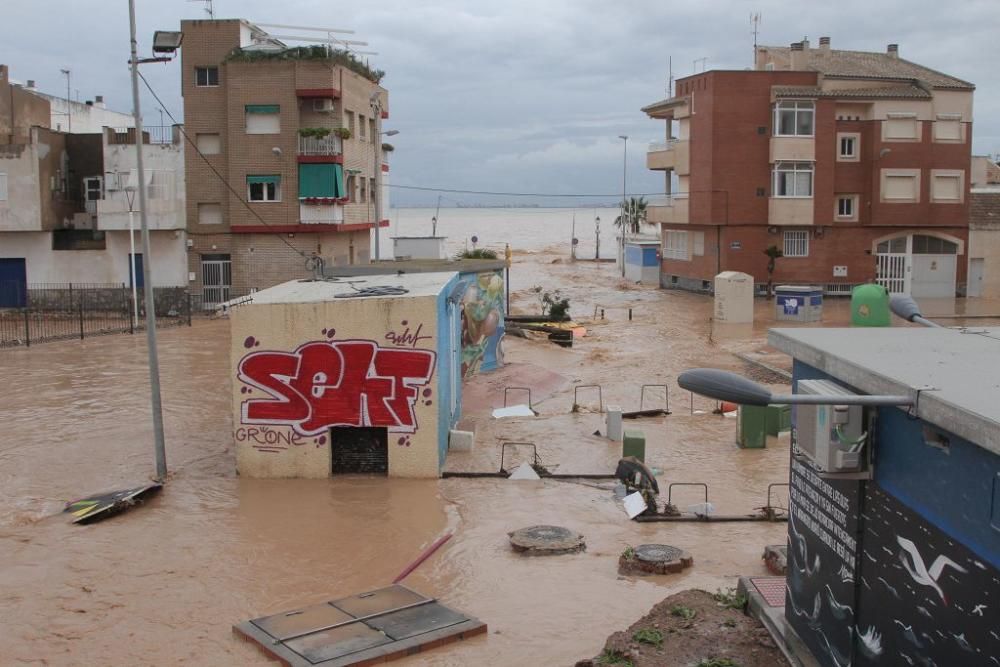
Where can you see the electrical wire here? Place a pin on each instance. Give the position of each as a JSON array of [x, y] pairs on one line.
[[215, 171], [520, 194]]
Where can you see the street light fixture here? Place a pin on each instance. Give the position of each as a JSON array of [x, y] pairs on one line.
[[624, 138], [376, 104], [725, 386], [903, 305]]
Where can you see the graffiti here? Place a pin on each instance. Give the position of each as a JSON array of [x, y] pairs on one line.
[[336, 383], [482, 324], [268, 437], [406, 338]]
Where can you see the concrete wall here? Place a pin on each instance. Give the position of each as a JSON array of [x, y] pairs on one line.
[[984, 244], [20, 110], [167, 209], [21, 211], [86, 118], [269, 338], [111, 265]]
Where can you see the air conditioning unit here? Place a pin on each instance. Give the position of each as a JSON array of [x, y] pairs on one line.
[[325, 105], [832, 437]]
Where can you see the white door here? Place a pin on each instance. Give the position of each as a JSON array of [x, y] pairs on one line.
[[892, 269], [216, 279], [975, 287], [934, 264]]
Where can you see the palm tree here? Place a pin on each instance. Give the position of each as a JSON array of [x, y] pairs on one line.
[[634, 215], [773, 252]]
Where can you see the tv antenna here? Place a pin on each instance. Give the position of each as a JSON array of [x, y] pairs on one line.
[[209, 7], [325, 36], [703, 61], [670, 77], [754, 30]]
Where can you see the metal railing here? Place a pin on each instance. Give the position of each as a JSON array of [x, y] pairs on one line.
[[330, 145], [657, 146], [42, 312], [151, 134]]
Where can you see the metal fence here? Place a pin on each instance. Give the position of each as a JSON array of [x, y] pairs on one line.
[[42, 312]]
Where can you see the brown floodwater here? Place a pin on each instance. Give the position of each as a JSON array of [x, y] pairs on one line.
[[163, 584]]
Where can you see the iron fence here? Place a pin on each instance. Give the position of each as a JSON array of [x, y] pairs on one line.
[[42, 312]]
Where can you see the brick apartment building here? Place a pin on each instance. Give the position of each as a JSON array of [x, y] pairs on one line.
[[855, 164], [269, 120]]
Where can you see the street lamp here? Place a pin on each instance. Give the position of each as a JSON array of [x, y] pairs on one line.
[[130, 198], [597, 230], [624, 138], [163, 42], [376, 104], [725, 386]]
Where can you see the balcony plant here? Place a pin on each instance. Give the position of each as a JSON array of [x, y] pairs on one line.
[[388, 148], [315, 52], [315, 132], [342, 132]]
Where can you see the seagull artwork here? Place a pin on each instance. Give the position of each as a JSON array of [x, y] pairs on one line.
[[920, 572]]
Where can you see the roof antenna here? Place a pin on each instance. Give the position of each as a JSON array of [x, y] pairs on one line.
[[755, 25], [209, 7], [670, 77]]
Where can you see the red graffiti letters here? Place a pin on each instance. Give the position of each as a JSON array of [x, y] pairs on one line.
[[342, 383]]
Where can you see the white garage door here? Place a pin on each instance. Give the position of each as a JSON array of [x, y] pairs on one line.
[[934, 263]]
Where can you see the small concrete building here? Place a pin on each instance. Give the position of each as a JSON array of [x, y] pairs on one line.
[[900, 555], [642, 261], [348, 375]]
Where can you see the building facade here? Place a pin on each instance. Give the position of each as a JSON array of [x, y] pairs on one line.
[[288, 142], [855, 165], [63, 208], [984, 243]]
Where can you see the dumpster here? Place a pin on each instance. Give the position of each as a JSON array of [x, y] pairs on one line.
[[751, 427], [798, 303], [634, 444]]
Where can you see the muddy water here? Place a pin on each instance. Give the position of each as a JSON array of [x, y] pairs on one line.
[[164, 584]]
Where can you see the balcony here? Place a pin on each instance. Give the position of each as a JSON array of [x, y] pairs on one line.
[[668, 210], [313, 214], [794, 149], [796, 211], [673, 154], [312, 146]]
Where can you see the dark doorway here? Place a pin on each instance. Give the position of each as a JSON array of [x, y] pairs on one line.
[[139, 277], [363, 450], [13, 283]]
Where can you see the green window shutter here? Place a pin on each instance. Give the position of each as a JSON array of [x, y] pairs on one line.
[[324, 181], [263, 108], [264, 179]]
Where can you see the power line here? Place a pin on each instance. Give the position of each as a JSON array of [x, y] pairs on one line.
[[518, 194], [215, 171]]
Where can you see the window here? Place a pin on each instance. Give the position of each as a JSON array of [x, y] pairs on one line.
[[893, 246], [209, 144], [793, 118], [932, 245], [847, 147], [900, 127], [793, 179], [321, 181], [371, 128], [206, 76], [263, 119], [350, 122], [364, 193], [796, 243], [160, 184], [209, 214], [699, 244], [847, 207], [948, 127], [901, 185], [947, 186], [264, 188], [3, 186], [352, 188], [361, 125], [675, 245]]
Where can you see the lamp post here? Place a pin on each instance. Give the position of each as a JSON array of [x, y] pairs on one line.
[[597, 230], [130, 198], [376, 105], [624, 138], [163, 42]]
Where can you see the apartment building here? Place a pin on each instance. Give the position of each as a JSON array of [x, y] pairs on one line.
[[64, 201], [854, 164], [288, 143]]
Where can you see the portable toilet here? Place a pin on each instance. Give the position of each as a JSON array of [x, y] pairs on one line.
[[642, 262], [798, 303], [733, 297], [870, 306]]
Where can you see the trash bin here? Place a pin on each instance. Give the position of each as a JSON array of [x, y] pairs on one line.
[[751, 427], [798, 303], [870, 306], [634, 444], [778, 419]]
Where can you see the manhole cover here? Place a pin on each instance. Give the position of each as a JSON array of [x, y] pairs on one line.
[[654, 559], [546, 540]]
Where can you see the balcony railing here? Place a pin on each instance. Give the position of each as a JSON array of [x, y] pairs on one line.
[[330, 145], [151, 134], [658, 146], [667, 200]]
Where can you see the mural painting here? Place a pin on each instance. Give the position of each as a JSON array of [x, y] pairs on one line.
[[899, 592], [323, 384], [482, 324]]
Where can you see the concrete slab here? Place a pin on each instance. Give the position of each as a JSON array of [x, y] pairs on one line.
[[766, 603]]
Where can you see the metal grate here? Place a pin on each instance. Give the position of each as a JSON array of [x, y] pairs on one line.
[[359, 450]]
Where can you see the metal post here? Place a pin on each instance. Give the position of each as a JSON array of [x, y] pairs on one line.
[[507, 257], [81, 317], [597, 228], [131, 245], [624, 201], [27, 327], [377, 149], [154, 362]]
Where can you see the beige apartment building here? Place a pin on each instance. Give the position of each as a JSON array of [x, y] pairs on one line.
[[288, 143]]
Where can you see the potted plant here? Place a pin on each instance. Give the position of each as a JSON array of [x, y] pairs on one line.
[[342, 132]]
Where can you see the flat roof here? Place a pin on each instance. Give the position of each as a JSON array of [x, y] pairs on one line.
[[312, 291], [956, 371]]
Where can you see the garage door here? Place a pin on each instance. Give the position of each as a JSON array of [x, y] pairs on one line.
[[934, 265]]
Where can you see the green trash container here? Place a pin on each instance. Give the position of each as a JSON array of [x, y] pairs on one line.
[[870, 306], [778, 419], [751, 427], [634, 444]]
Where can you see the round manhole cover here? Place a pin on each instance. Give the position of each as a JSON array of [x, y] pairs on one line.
[[657, 553], [546, 540]]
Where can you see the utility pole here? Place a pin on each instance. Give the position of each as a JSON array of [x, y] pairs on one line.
[[597, 229], [69, 109], [154, 362], [624, 199]]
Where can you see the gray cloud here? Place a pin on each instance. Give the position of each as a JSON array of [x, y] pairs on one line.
[[525, 96]]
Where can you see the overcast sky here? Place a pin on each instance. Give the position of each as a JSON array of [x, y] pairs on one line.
[[517, 96]]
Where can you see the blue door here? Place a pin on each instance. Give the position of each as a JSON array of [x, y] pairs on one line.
[[13, 282], [139, 283]]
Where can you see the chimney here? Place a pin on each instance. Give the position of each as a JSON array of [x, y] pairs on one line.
[[99, 101], [30, 84], [824, 43], [805, 43], [893, 50], [798, 59]]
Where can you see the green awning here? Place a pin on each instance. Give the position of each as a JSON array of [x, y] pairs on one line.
[[264, 179], [321, 180], [263, 108]]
